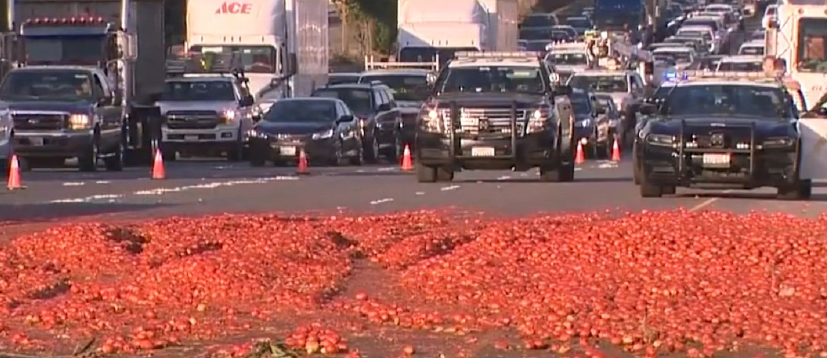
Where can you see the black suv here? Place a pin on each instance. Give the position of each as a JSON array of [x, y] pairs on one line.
[[376, 113], [495, 111]]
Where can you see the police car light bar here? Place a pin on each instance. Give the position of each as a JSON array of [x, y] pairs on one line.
[[46, 21], [498, 54], [705, 74]]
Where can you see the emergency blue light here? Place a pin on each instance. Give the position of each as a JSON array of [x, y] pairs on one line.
[[670, 76]]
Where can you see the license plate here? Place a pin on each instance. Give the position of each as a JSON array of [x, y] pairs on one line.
[[469, 122], [191, 138], [716, 160], [287, 150], [36, 141], [482, 152]]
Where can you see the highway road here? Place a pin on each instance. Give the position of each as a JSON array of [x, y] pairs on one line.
[[201, 187]]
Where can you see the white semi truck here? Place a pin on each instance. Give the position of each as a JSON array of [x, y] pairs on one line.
[[282, 45], [428, 29], [800, 40]]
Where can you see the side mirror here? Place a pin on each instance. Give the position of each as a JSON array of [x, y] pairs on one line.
[[345, 119], [563, 90], [291, 65], [384, 107], [246, 101], [649, 109]]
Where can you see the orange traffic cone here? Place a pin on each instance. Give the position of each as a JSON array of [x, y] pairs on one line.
[[615, 151], [302, 169], [407, 164], [579, 157], [14, 174], [158, 171]]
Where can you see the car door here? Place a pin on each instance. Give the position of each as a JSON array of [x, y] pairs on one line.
[[107, 111], [395, 114], [384, 117]]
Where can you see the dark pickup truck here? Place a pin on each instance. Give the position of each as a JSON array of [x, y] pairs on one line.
[[64, 112]]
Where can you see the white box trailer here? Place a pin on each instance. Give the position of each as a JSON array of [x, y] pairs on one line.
[[457, 25], [282, 45]]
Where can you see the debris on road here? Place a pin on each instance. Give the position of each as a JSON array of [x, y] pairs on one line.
[[650, 284]]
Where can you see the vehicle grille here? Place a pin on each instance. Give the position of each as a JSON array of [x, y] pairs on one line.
[[719, 139], [192, 119], [34, 121], [485, 120]]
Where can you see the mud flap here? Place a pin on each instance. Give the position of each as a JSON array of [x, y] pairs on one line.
[[813, 148]]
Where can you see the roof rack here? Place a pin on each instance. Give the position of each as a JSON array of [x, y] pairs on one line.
[[371, 64], [209, 63], [734, 75]]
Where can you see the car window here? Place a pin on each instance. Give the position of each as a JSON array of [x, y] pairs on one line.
[[357, 99], [97, 89], [378, 98]]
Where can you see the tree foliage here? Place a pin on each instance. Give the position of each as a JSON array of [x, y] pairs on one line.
[[376, 21]]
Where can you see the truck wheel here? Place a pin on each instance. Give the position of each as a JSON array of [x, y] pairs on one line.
[[802, 190], [649, 190], [371, 150], [257, 160], [425, 174], [236, 153], [169, 154], [444, 174], [114, 163], [88, 160]]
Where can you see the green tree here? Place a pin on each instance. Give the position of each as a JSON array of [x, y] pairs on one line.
[[375, 19]]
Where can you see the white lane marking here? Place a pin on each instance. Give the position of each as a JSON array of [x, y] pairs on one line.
[[449, 188], [74, 183], [607, 165], [504, 177], [162, 191], [707, 202], [213, 185], [577, 169], [111, 198], [103, 182], [386, 169], [419, 193], [381, 201]]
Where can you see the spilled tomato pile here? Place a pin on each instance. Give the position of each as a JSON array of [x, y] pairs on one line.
[[650, 283]]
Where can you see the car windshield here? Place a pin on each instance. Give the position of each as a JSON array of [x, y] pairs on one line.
[[79, 50], [616, 83], [539, 21], [578, 22], [604, 101], [67, 85], [302, 110], [525, 79], [187, 90], [358, 100], [535, 34], [404, 87], [254, 59], [662, 92], [812, 45], [567, 58], [699, 22], [728, 100], [679, 56], [334, 79], [741, 66], [752, 50]]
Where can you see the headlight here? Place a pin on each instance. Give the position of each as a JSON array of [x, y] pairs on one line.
[[255, 133], [538, 119], [583, 123], [660, 139], [228, 115], [431, 120], [80, 121], [323, 135], [778, 142]]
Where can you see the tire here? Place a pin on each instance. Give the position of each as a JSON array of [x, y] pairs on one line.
[[88, 160], [358, 159], [257, 160], [637, 171], [337, 158], [371, 150], [444, 174], [649, 190], [114, 163], [803, 190], [425, 174], [169, 155], [561, 174], [236, 154]]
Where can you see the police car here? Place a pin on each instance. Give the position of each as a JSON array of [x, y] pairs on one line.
[[721, 130]]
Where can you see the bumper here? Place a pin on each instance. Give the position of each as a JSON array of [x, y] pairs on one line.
[[219, 134], [52, 144], [491, 152], [314, 150], [775, 168]]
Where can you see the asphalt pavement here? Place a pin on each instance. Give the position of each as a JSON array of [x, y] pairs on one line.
[[201, 187]]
